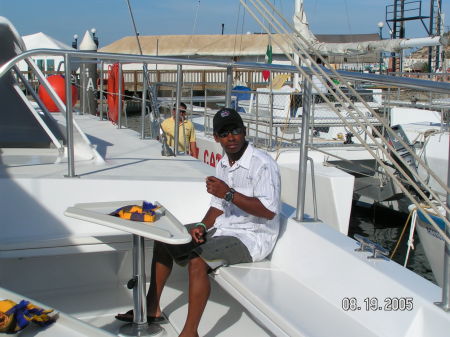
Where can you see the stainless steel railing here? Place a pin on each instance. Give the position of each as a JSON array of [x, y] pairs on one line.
[[79, 56]]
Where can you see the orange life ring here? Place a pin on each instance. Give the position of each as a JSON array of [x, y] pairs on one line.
[[113, 92]]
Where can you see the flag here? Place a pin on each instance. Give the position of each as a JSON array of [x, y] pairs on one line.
[[268, 60]]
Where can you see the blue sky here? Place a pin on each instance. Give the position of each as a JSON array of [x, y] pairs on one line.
[[62, 19]]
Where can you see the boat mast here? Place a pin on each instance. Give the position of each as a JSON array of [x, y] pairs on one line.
[[396, 44], [435, 29]]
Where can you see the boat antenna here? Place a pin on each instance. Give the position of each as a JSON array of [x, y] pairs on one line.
[[134, 26]]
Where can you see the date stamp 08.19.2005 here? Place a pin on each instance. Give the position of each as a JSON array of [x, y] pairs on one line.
[[376, 304]]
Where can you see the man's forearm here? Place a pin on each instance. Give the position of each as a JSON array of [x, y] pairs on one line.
[[210, 217], [252, 205]]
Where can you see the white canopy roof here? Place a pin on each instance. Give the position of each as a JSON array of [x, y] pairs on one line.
[[41, 40]]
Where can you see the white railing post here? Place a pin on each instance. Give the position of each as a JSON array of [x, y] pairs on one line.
[[229, 87], [307, 97]]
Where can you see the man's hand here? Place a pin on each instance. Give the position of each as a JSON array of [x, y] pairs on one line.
[[198, 233], [216, 187]]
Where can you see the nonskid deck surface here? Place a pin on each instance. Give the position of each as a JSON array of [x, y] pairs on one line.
[[132, 168], [223, 315], [126, 157]]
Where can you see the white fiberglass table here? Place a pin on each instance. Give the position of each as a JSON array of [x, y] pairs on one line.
[[166, 229]]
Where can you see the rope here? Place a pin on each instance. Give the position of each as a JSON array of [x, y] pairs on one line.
[[194, 26], [303, 49], [401, 235], [316, 70], [134, 26], [411, 237], [236, 31], [144, 68], [304, 46], [347, 16]]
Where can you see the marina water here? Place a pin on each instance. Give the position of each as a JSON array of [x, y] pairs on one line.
[[384, 227]]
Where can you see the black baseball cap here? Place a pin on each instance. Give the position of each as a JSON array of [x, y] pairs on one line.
[[226, 117]]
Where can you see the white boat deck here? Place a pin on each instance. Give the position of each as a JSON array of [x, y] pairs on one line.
[[80, 268], [313, 284], [223, 315], [125, 154]]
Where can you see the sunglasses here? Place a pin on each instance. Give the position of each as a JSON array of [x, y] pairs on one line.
[[224, 133]]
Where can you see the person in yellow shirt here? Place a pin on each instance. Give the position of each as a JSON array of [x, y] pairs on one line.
[[186, 131]]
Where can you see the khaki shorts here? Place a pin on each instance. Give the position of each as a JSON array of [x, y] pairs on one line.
[[218, 250]]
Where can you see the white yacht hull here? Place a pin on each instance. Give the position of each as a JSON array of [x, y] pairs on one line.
[[433, 244]]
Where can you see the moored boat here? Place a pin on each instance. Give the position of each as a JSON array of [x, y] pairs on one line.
[[82, 269]]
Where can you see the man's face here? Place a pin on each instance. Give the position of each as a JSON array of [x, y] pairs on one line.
[[231, 138], [182, 115]]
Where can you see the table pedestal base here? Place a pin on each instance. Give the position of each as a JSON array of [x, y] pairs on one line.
[[133, 329]]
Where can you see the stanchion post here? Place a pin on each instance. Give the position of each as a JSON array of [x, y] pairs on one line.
[[69, 119], [307, 98]]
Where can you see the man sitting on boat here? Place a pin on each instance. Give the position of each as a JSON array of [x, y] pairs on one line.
[[240, 226], [186, 131]]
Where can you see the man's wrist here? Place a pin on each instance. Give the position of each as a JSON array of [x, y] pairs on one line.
[[229, 195], [201, 224]]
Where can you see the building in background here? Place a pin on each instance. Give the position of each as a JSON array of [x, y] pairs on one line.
[[47, 63], [240, 48]]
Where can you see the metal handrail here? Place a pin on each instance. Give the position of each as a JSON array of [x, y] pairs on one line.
[[409, 83], [77, 56], [124, 58]]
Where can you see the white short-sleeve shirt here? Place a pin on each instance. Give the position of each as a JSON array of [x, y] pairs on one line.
[[255, 174]]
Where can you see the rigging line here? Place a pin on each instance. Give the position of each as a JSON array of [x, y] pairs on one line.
[[341, 95], [314, 11], [194, 26], [339, 114], [195, 18], [242, 28], [134, 26], [314, 71], [236, 31], [348, 17], [144, 67]]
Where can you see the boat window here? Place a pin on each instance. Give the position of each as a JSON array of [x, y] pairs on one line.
[[50, 65], [40, 64]]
